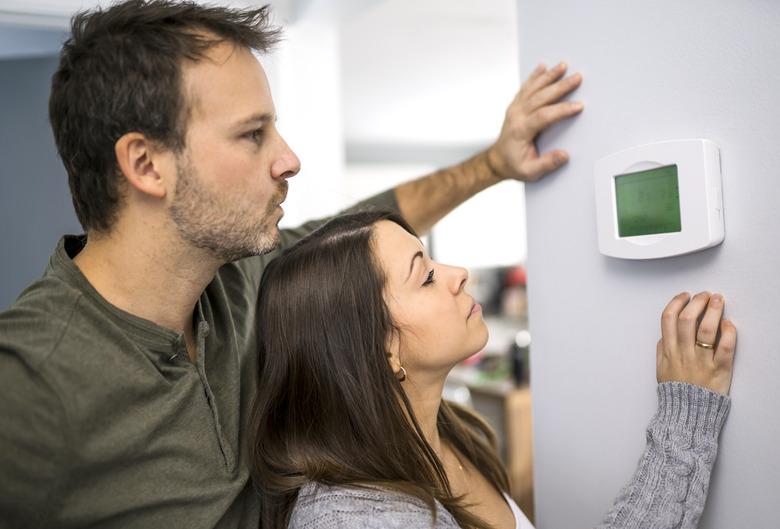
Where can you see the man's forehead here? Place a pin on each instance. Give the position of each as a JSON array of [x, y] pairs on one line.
[[229, 84]]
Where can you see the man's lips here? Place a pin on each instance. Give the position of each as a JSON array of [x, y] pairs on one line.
[[281, 195], [282, 191]]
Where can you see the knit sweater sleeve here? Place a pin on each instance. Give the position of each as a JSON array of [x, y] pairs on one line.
[[669, 487], [339, 507]]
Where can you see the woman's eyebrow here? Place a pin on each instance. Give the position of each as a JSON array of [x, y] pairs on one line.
[[411, 267]]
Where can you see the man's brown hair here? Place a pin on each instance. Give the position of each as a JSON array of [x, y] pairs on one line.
[[120, 72]]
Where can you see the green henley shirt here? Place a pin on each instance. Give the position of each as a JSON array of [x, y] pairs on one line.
[[104, 420]]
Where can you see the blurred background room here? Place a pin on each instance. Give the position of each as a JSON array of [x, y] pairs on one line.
[[369, 93]]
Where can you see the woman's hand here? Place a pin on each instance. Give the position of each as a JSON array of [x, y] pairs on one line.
[[693, 352]]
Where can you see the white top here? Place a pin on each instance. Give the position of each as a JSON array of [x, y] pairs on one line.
[[521, 522]]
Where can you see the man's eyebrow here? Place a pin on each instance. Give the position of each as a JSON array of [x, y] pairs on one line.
[[257, 118], [411, 267]]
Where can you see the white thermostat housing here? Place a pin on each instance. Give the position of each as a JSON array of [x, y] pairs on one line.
[[659, 200]]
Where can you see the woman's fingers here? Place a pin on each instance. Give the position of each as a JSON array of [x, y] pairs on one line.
[[708, 328], [724, 354], [686, 320], [689, 319], [669, 320]]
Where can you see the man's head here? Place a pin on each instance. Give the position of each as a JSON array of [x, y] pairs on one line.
[[161, 105]]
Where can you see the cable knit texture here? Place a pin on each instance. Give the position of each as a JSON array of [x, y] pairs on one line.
[[668, 489], [670, 485], [322, 507]]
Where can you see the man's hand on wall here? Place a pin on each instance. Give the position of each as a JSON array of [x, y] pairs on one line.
[[537, 106]]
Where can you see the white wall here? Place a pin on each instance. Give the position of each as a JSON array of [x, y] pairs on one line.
[[653, 71]]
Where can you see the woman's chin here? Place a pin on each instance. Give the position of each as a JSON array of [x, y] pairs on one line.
[[483, 340], [473, 353]]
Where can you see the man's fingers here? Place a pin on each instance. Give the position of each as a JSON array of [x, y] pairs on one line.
[[539, 70], [547, 162], [689, 318], [546, 116], [545, 78], [526, 87], [708, 328], [669, 318], [554, 92]]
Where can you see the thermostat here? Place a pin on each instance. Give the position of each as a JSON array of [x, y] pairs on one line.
[[659, 200]]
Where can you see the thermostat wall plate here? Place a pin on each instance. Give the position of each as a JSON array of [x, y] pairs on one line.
[[659, 200]]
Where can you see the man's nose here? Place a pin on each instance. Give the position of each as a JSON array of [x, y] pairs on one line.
[[287, 163]]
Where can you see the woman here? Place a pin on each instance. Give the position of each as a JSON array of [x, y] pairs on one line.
[[359, 331]]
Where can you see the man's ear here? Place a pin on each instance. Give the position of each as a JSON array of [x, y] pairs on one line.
[[135, 157]]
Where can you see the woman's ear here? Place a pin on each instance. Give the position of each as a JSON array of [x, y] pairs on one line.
[[135, 156], [394, 351]]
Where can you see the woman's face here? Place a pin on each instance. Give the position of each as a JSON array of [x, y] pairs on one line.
[[440, 322]]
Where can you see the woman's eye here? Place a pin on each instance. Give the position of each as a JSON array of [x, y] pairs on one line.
[[429, 280]]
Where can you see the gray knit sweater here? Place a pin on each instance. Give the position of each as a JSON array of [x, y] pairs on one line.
[[668, 489]]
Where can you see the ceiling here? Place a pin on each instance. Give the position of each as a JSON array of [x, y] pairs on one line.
[[411, 71], [437, 71]]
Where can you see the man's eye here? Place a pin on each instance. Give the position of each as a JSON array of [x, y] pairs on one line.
[[255, 135]]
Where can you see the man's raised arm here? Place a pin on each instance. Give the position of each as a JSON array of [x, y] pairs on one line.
[[537, 106]]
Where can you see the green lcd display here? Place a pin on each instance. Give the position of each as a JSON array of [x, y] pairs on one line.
[[648, 202]]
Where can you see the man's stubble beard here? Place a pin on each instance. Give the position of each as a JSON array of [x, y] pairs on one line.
[[228, 231]]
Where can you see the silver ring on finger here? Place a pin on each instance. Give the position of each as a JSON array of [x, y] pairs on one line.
[[705, 345]]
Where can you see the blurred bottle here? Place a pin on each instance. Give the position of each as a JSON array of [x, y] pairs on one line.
[[518, 355], [514, 301]]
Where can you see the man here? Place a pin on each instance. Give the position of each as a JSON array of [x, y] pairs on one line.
[[127, 371]]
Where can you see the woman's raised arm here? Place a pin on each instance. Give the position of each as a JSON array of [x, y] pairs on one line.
[[694, 368]]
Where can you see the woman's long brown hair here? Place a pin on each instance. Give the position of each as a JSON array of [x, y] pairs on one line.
[[329, 408]]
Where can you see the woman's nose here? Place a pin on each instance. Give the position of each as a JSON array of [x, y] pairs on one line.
[[459, 278]]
